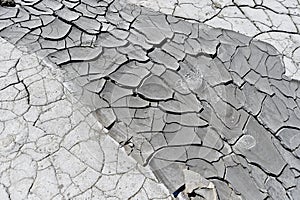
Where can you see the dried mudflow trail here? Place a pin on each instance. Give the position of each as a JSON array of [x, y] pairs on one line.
[[205, 112]]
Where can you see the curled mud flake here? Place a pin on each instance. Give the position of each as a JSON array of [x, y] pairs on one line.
[[154, 88], [246, 142]]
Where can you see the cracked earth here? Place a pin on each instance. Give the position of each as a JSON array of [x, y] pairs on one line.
[[175, 99]]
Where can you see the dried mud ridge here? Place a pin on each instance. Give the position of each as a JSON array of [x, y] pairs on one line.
[[210, 110]]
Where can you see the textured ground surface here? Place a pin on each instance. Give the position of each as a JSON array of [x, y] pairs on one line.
[[206, 111], [274, 21]]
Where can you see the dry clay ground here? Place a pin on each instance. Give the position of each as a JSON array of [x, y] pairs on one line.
[[110, 100]]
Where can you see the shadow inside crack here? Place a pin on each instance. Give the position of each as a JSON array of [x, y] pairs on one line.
[[8, 3]]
